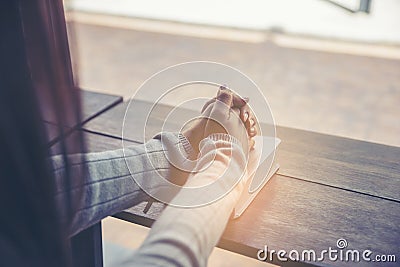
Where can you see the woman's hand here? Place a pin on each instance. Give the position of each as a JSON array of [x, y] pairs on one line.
[[223, 118], [197, 130]]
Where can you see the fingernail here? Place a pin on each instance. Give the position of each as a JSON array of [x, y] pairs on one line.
[[251, 121], [246, 116], [252, 129], [223, 87]]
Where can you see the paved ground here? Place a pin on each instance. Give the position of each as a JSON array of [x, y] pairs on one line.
[[306, 17], [339, 94]]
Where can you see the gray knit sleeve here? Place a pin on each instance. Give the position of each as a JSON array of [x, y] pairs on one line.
[[108, 186]]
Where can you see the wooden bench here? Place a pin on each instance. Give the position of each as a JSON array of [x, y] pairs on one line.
[[327, 188]]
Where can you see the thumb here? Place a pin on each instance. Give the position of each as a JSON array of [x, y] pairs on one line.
[[225, 96]]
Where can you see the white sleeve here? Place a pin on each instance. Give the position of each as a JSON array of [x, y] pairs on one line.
[[186, 236]]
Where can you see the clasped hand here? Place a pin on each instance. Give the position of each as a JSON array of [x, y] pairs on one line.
[[227, 113]]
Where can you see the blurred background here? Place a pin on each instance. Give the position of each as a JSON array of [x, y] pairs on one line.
[[330, 66]]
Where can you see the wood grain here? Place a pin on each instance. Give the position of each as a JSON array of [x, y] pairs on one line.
[[54, 132], [293, 214], [365, 167], [93, 143], [93, 104], [111, 122], [96, 103]]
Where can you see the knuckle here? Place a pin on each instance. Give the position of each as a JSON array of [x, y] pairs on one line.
[[224, 97]]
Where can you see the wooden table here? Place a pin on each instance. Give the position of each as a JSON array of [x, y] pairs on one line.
[[93, 105], [327, 188]]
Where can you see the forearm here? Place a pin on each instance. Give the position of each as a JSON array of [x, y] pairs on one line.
[[186, 237], [107, 185]]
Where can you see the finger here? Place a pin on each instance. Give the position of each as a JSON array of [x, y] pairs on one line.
[[252, 143], [248, 122], [251, 126], [237, 113], [252, 122], [245, 116], [224, 87], [235, 116], [245, 136], [209, 102], [245, 113], [255, 127], [239, 102], [225, 97], [253, 131]]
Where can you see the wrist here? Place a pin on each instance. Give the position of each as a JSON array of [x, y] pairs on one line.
[[224, 137], [187, 144], [194, 135]]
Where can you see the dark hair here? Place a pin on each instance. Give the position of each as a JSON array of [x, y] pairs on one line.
[[36, 85]]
